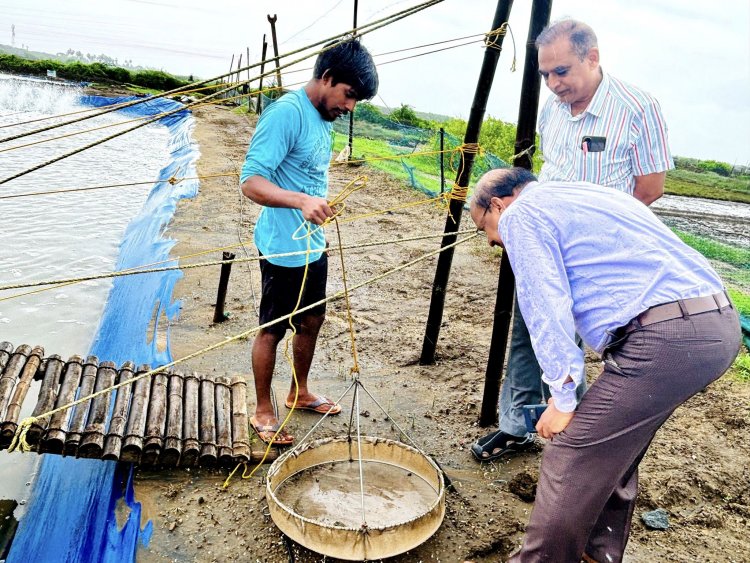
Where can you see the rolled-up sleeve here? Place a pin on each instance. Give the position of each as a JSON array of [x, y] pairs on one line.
[[544, 297]]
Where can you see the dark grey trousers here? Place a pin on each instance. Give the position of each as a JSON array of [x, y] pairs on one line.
[[589, 474]]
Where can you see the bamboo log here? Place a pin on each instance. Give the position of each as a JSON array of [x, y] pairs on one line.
[[80, 412], [240, 431], [10, 423], [47, 397], [113, 442], [207, 430], [170, 453], [223, 398], [191, 445], [132, 445], [92, 443], [54, 440], [12, 370], [156, 422], [6, 349]]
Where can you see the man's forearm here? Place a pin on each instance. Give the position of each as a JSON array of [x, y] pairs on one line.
[[650, 187], [265, 192]]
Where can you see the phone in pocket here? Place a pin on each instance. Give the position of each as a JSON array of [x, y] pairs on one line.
[[593, 143], [531, 416]]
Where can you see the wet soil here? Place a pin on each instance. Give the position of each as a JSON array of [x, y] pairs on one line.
[[698, 467]]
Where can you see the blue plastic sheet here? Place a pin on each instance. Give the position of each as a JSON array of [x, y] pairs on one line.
[[76, 503]]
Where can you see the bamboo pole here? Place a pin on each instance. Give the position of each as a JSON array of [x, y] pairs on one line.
[[259, 103], [223, 398], [190, 424], [54, 440], [453, 220], [12, 370], [47, 397], [92, 443], [6, 349], [132, 445], [525, 138], [272, 21], [10, 423], [156, 422], [170, 453], [240, 430], [113, 441], [80, 412], [207, 428]]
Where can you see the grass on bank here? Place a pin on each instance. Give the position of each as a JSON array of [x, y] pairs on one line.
[[707, 185]]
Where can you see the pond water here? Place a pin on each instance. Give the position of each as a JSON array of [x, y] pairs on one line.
[[48, 236]]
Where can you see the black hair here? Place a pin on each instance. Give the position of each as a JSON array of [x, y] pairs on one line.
[[349, 62], [500, 182], [582, 38]]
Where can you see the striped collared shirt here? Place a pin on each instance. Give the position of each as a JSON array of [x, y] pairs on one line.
[[632, 124]]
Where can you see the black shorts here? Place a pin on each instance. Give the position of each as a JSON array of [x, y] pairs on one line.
[[281, 288]]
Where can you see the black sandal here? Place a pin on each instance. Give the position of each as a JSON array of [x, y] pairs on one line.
[[484, 448]]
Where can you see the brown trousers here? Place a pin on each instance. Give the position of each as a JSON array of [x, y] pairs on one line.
[[589, 474]]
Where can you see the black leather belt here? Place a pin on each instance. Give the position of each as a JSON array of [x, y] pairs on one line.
[[677, 309]]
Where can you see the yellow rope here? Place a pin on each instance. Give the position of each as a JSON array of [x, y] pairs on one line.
[[19, 439]]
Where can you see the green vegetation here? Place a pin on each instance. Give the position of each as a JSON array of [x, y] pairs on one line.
[[92, 72], [708, 185], [739, 257], [741, 367]]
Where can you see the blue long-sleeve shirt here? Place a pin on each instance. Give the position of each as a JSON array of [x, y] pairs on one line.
[[589, 259]]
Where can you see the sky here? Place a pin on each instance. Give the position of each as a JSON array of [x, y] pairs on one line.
[[693, 56]]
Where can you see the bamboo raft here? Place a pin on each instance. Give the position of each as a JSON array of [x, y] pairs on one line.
[[167, 419]]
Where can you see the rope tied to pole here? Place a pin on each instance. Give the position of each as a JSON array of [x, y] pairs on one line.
[[491, 41]]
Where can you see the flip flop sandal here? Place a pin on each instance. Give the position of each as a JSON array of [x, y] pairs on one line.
[[320, 405], [504, 443], [266, 433]]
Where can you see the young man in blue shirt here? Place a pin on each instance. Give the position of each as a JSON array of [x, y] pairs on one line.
[[286, 171], [594, 261]]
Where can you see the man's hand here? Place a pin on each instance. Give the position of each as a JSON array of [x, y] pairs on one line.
[[316, 210], [553, 421]]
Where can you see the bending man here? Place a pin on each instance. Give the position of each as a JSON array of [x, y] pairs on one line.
[[598, 262]]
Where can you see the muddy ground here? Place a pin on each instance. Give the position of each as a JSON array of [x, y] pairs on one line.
[[698, 467]]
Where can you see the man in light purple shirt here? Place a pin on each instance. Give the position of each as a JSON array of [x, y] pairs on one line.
[[597, 262]]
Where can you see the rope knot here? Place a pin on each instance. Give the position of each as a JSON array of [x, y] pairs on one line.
[[19, 438], [491, 37]]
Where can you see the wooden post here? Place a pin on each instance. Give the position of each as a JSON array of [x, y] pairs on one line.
[[92, 443], [221, 294], [54, 441], [207, 429], [156, 422], [453, 221], [247, 85], [170, 453], [258, 104], [525, 136], [80, 412], [12, 370], [10, 422], [272, 21], [132, 445], [240, 430], [351, 115], [225, 95], [223, 420], [47, 397], [119, 420], [190, 425]]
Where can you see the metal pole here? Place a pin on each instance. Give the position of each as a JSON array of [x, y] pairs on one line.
[[221, 294], [453, 220], [442, 161], [525, 136], [351, 115], [272, 21], [258, 107]]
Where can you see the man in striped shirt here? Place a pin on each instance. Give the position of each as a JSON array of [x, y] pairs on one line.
[[593, 128]]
